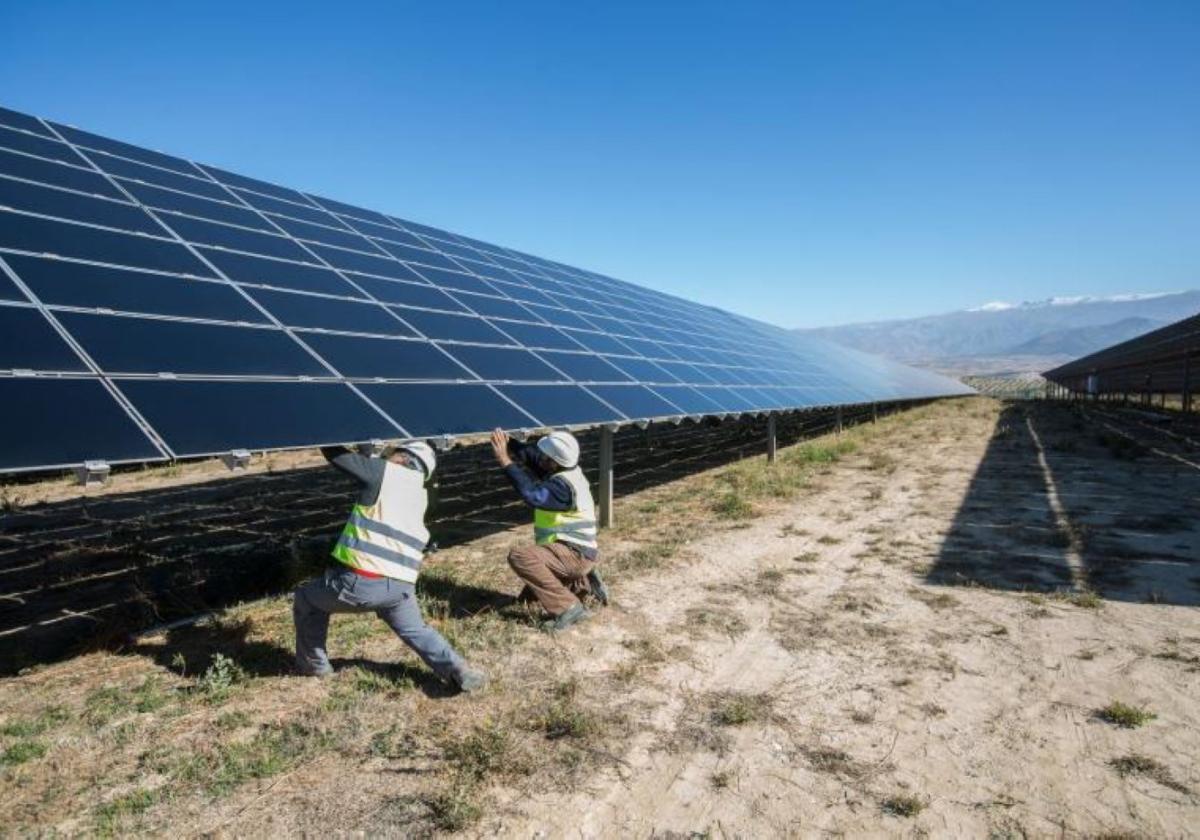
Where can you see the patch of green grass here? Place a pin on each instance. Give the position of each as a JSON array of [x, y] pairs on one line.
[[369, 681], [47, 719], [737, 708], [150, 696], [1135, 764], [104, 704], [1086, 599], [456, 808], [392, 743], [273, 750], [563, 717], [233, 720], [1124, 715], [110, 815], [902, 805], [732, 505], [486, 750], [21, 752]]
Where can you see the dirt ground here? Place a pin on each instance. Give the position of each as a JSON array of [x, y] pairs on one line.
[[970, 619]]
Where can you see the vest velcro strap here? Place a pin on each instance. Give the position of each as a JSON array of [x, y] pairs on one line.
[[360, 521], [355, 544]]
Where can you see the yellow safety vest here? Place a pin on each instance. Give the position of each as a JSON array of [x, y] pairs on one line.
[[389, 537], [576, 526]]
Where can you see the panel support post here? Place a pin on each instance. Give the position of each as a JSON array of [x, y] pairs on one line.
[[1186, 398], [874, 412], [771, 440], [838, 420], [606, 477]]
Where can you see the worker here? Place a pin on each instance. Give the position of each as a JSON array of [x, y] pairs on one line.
[[379, 556], [561, 565]]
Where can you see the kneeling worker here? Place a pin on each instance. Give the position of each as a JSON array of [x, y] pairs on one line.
[[561, 565], [380, 551]]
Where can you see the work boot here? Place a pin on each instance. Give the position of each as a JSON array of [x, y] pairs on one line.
[[572, 616], [599, 590], [470, 680]]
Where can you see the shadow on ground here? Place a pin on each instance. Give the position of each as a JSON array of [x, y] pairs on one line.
[[1075, 497]]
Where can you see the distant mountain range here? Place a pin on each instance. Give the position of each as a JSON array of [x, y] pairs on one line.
[[1006, 338]]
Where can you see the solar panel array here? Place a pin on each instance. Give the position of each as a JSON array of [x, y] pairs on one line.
[[153, 308]]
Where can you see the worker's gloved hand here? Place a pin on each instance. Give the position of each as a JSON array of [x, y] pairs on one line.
[[500, 448]]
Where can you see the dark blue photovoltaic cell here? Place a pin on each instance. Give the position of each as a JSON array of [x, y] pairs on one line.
[[559, 405], [448, 327], [45, 236], [15, 119], [254, 184], [323, 313], [420, 256], [372, 358], [559, 317], [500, 364], [366, 264], [143, 345], [304, 212], [207, 418], [242, 268], [328, 236], [62, 422], [405, 294], [494, 307], [392, 234], [234, 238], [537, 336], [56, 174], [30, 145], [350, 210], [726, 399], [688, 399], [116, 147], [62, 283], [195, 206], [175, 181], [454, 280], [598, 343], [427, 410], [8, 289], [635, 401], [584, 367], [81, 208], [642, 370], [29, 342]]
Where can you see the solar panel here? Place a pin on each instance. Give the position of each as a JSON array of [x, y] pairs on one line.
[[154, 308]]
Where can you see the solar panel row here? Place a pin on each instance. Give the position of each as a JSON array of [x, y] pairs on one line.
[[151, 307]]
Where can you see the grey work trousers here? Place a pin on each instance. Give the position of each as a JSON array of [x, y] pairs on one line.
[[342, 590]]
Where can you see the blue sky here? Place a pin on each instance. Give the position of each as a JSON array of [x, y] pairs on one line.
[[803, 163]]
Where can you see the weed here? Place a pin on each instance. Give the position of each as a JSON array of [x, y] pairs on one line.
[[233, 720], [732, 505], [1141, 765], [714, 617], [862, 715], [1087, 599], [1124, 715], [22, 751], [563, 717], [456, 808], [271, 751], [1086, 655], [219, 680], [830, 760], [902, 805], [484, 751], [807, 557], [933, 710], [150, 696], [721, 779], [392, 743], [27, 728], [829, 540], [737, 708], [768, 580], [103, 704], [109, 815]]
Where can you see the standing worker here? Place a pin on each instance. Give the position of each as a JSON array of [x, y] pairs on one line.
[[380, 551], [561, 565]]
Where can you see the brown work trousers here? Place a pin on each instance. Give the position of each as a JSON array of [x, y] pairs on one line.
[[555, 574]]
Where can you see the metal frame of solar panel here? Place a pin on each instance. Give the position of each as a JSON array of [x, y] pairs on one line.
[[153, 308]]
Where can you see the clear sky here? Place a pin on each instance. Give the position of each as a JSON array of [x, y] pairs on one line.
[[803, 163]]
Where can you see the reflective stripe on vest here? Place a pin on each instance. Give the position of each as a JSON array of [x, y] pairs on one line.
[[576, 526], [388, 538]]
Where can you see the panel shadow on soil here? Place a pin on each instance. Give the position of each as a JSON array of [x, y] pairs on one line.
[[1127, 523]]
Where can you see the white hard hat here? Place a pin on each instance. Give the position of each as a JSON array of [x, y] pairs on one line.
[[560, 447], [423, 452]]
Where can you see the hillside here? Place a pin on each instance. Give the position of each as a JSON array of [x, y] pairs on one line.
[[1004, 338]]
